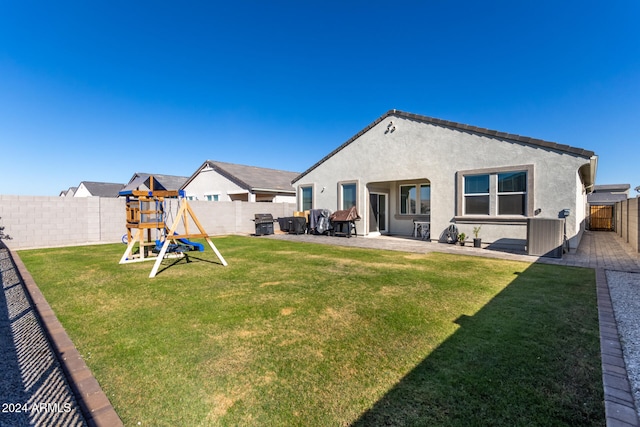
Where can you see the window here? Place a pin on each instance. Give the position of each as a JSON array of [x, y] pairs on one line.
[[414, 196], [425, 199], [407, 199], [212, 197], [307, 198], [512, 193], [348, 195], [504, 191], [476, 194]]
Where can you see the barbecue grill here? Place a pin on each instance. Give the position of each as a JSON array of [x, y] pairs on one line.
[[264, 224]]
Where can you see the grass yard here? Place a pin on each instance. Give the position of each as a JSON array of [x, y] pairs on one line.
[[301, 334]]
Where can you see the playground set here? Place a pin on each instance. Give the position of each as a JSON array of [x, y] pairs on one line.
[[148, 212]]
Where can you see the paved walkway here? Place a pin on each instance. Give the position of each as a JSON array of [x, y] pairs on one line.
[[601, 251]]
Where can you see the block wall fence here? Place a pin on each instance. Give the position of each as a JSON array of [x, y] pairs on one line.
[[627, 216], [43, 221]]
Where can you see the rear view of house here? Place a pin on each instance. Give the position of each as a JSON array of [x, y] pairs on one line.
[[404, 168]]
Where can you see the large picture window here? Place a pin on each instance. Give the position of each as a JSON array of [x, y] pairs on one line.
[[502, 191], [415, 199]]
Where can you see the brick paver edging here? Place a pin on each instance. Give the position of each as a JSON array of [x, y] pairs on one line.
[[94, 404], [620, 410]]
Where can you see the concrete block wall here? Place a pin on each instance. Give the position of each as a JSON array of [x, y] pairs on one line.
[[220, 218], [618, 218], [39, 221], [634, 219], [112, 219], [628, 222]]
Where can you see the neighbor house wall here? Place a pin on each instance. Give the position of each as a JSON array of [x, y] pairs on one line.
[[209, 182], [417, 150], [82, 191], [36, 222]]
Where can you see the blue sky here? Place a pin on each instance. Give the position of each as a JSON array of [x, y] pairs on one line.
[[96, 91]]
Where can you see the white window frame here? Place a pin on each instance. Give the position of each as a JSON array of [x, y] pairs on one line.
[[494, 194], [510, 193], [341, 186], [465, 194], [302, 188], [417, 186]]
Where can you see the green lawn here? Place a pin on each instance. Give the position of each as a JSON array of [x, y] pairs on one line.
[[302, 334]]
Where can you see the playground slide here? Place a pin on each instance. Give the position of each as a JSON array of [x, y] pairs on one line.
[[198, 246]]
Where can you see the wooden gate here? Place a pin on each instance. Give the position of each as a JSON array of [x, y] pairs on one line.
[[601, 218]]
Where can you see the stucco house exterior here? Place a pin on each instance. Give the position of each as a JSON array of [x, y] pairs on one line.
[[406, 167], [221, 181]]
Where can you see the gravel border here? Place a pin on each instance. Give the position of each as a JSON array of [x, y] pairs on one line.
[[624, 288], [34, 390]]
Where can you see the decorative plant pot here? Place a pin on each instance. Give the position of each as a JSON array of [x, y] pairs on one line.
[[461, 242], [477, 243]]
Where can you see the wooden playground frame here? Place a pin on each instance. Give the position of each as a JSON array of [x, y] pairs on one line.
[[146, 213]]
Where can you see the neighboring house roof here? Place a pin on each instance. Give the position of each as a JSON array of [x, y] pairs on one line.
[[102, 189], [68, 192], [608, 194], [169, 182], [252, 178], [458, 126]]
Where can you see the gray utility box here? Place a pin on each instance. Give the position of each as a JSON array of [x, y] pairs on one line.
[[545, 237]]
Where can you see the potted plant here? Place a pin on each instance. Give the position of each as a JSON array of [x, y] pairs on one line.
[[477, 242], [461, 238]]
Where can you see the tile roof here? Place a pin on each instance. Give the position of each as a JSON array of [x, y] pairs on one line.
[[102, 189], [169, 182], [252, 178], [459, 126]]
